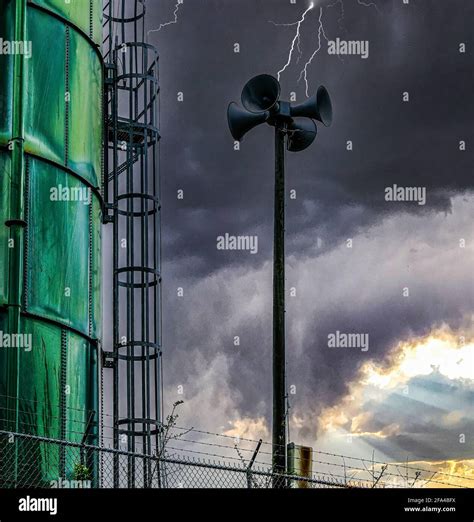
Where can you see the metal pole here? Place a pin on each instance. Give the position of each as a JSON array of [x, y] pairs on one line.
[[279, 385], [17, 224]]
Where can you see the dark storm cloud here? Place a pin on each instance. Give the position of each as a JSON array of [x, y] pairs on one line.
[[340, 195], [412, 48]]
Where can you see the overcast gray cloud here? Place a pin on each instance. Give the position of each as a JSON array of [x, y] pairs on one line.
[[350, 290]]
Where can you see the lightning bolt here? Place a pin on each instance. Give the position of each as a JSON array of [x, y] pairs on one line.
[[174, 21], [369, 4], [296, 40], [304, 72]]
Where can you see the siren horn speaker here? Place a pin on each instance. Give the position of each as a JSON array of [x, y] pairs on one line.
[[301, 134], [261, 93], [242, 121], [318, 107]]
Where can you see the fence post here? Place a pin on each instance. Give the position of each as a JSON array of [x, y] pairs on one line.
[[249, 467]]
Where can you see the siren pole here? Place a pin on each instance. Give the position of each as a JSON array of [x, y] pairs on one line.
[[261, 99], [279, 370]]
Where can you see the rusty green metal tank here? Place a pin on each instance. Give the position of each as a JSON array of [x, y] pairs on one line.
[[50, 227]]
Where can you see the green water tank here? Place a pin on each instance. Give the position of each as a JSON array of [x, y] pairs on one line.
[[51, 139]]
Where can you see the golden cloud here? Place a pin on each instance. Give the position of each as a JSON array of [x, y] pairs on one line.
[[444, 351]]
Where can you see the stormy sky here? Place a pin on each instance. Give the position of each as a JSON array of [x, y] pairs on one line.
[[405, 110]]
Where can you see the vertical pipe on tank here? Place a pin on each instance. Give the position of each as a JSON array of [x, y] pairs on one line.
[[16, 221]]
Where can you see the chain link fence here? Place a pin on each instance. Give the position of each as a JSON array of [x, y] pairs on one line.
[[28, 461]]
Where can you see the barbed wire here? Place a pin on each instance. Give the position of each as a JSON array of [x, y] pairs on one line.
[[336, 455]]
